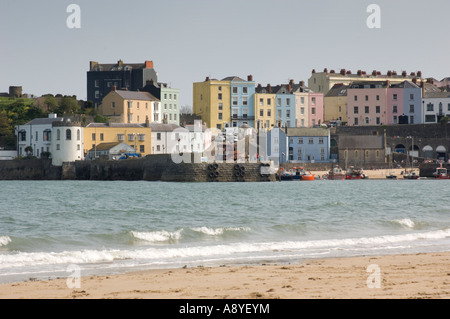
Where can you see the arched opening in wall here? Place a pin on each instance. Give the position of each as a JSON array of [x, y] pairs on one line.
[[441, 152], [414, 152], [400, 148], [427, 151]]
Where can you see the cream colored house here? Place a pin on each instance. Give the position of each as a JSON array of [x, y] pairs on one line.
[[335, 104], [121, 106]]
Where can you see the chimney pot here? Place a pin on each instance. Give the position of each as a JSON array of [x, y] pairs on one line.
[[149, 64], [250, 78], [207, 79]]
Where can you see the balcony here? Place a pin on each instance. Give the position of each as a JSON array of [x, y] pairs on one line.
[[244, 117]]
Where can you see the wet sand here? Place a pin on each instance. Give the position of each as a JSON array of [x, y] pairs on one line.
[[396, 276]]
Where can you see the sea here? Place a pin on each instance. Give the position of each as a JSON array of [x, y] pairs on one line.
[[110, 227]]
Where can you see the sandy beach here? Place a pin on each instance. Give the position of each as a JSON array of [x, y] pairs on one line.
[[375, 277]]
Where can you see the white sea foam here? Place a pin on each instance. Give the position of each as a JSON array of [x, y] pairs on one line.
[[218, 230], [405, 222], [157, 236], [4, 240], [164, 254]]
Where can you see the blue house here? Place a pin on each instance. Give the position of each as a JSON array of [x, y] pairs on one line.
[[242, 101], [308, 145], [412, 102], [276, 146], [285, 106]]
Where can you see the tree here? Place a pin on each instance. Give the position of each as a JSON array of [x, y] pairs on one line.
[[50, 103], [68, 105], [5, 124], [29, 151]]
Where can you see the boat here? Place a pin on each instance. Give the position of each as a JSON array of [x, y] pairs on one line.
[[335, 173], [441, 173], [283, 175], [353, 173], [390, 176], [410, 175], [304, 176]]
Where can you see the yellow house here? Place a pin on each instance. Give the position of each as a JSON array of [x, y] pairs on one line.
[[335, 104], [121, 106], [136, 135], [264, 109], [212, 102]]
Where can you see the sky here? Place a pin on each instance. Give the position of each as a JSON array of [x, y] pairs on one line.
[[188, 40]]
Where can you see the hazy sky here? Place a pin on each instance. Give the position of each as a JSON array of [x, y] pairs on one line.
[[190, 39]]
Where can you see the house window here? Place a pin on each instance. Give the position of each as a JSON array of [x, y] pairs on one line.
[[22, 135], [130, 117], [394, 97], [47, 135], [313, 101], [235, 101], [245, 90], [378, 120], [300, 140], [269, 112], [120, 137], [430, 118], [235, 90], [220, 96], [430, 107], [58, 147], [78, 147], [261, 102], [320, 140], [302, 110], [158, 148], [245, 101], [355, 110], [278, 102], [355, 121], [78, 135], [68, 134], [411, 96], [366, 109], [131, 137], [411, 119], [311, 140], [367, 98], [158, 136], [113, 104], [36, 136], [101, 137], [220, 116], [219, 88], [130, 104], [302, 100], [97, 83], [411, 108], [269, 102], [356, 98], [395, 119], [366, 120], [288, 113], [156, 107], [377, 109], [288, 102], [220, 106], [394, 109], [378, 97], [58, 134], [97, 94], [142, 148], [261, 112], [313, 111]]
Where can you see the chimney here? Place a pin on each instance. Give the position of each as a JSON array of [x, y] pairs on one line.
[[313, 71], [120, 63], [269, 88], [207, 79], [404, 74], [259, 85], [302, 83], [289, 88], [342, 71], [419, 74], [291, 81], [422, 85], [349, 72], [389, 73], [332, 72], [147, 122], [359, 72], [325, 70], [92, 64], [149, 64], [250, 78], [113, 88], [388, 83]]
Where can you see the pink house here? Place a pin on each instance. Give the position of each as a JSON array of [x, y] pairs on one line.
[[315, 109], [394, 105], [367, 103]]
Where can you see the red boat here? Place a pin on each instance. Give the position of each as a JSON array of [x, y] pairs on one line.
[[353, 173], [441, 173], [335, 174]]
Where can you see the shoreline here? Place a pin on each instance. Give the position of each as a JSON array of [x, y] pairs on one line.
[[401, 276]]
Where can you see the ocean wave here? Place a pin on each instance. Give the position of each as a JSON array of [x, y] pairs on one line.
[[157, 236], [174, 236], [405, 222], [4, 240], [155, 255]]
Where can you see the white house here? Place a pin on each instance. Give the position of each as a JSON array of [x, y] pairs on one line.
[[37, 134], [67, 142], [436, 105], [162, 136]]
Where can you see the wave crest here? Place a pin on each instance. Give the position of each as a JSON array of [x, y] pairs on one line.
[[4, 240]]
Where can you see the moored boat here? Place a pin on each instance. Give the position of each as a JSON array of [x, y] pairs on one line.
[[411, 175], [335, 174], [353, 173], [441, 173]]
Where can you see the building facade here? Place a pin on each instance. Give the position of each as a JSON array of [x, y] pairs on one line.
[[131, 76], [37, 135], [308, 145], [137, 136], [121, 106], [169, 98], [436, 105], [242, 101], [67, 144], [264, 103], [335, 104]]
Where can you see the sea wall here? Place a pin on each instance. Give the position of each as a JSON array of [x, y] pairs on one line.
[[151, 168]]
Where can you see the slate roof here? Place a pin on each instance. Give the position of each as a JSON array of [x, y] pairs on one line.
[[44, 120], [159, 127], [115, 125], [437, 95], [233, 78], [136, 95], [337, 90], [304, 131], [361, 142]]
